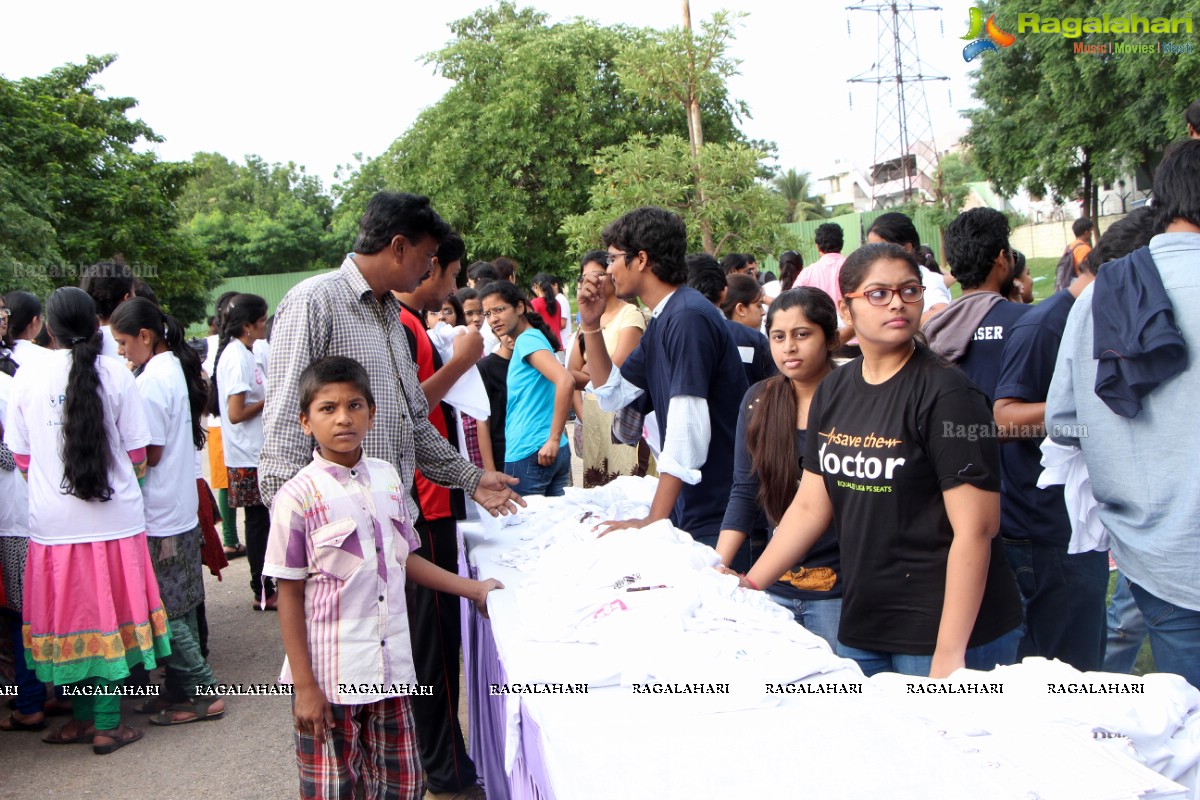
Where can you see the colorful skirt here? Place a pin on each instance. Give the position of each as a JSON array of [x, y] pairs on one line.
[[216, 460], [243, 487], [13, 550], [92, 610]]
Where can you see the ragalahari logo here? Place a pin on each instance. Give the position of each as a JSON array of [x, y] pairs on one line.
[[986, 36]]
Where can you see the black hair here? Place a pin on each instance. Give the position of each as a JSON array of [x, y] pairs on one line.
[[1192, 115], [460, 316], [333, 369], [506, 268], [218, 319], [1019, 264], [1133, 231], [927, 259], [1081, 226], [593, 257], [23, 307], [71, 313], [108, 283], [465, 294], [791, 264], [859, 263], [482, 271], [545, 283], [895, 228], [44, 338], [240, 311], [771, 434], [1177, 185], [510, 294], [138, 313], [658, 233], [742, 289], [973, 240], [706, 276], [451, 249], [734, 262], [829, 237], [392, 214], [143, 289]]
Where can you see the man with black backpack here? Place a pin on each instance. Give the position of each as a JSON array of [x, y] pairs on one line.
[[1073, 256]]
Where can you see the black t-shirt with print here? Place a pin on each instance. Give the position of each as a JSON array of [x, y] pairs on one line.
[[886, 453]]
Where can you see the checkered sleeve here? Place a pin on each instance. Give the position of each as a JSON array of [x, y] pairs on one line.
[[300, 335]]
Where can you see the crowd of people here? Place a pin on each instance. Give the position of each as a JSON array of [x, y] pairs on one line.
[[847, 436]]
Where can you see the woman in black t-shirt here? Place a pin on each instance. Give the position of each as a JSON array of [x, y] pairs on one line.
[[768, 450], [902, 457]]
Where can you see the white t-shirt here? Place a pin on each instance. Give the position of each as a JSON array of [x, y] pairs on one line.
[[34, 427], [238, 372], [210, 368], [564, 311], [262, 354], [936, 291], [14, 511], [110, 348], [25, 352], [169, 490]]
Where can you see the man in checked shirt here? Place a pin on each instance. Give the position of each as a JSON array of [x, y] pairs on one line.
[[351, 312]]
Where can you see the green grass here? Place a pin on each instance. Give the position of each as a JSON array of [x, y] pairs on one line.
[[1042, 270]]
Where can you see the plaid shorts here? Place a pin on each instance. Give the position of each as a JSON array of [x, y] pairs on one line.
[[374, 744]]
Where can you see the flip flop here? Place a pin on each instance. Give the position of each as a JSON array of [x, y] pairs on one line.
[[118, 742], [235, 552], [199, 708], [56, 737], [15, 724], [152, 705]]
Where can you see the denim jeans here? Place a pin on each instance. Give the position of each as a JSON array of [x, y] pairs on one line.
[[1063, 597], [536, 479], [998, 652], [1174, 635], [818, 616], [1126, 630]]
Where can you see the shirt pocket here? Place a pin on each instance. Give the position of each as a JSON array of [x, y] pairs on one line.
[[400, 545], [331, 555]]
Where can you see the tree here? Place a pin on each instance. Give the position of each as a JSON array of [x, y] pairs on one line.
[[796, 190], [1062, 123], [507, 153], [739, 212], [74, 190], [260, 218], [677, 66]]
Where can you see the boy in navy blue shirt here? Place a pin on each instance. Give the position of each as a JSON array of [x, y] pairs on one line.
[[686, 369]]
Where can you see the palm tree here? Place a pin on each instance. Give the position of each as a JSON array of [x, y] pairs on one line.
[[796, 189]]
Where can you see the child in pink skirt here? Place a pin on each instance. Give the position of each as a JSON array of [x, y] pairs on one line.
[[77, 429]]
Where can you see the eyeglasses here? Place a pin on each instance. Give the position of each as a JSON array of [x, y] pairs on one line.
[[611, 257], [881, 297], [495, 311]]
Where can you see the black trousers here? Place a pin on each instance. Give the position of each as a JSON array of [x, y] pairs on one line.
[[258, 527], [433, 623]]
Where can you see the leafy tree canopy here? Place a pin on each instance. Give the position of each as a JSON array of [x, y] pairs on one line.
[[74, 190], [508, 153], [1058, 122]]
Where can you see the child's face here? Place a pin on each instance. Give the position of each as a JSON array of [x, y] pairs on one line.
[[135, 349], [339, 418]]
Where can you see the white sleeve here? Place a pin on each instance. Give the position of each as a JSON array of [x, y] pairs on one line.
[[156, 407], [616, 393], [685, 445], [936, 291]]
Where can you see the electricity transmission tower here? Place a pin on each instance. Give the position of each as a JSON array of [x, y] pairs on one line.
[[903, 125]]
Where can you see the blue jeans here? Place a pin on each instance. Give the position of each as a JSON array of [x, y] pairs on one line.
[[998, 652], [1063, 597], [1174, 635], [536, 479], [818, 616], [1126, 630]]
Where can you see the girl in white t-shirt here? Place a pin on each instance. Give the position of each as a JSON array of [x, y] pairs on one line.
[[174, 392], [77, 428], [238, 392], [217, 477]]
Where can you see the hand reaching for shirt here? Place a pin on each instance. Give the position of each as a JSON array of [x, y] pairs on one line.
[[495, 494], [610, 525]]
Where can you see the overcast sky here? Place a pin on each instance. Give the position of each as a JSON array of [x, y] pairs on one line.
[[316, 83]]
